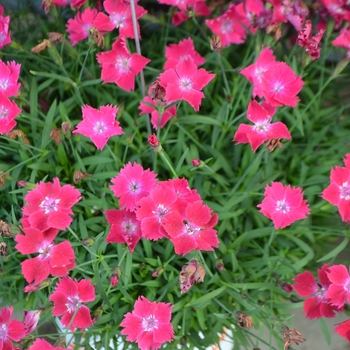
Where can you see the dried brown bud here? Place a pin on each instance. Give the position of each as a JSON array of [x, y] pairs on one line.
[[14, 134], [79, 175], [273, 143], [47, 5], [5, 229], [190, 273], [66, 126], [41, 47], [3, 176], [275, 29], [3, 249], [55, 135], [291, 336], [100, 40], [244, 321], [55, 37], [157, 93], [215, 43]]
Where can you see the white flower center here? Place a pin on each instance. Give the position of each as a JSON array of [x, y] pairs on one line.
[[3, 331], [134, 187], [278, 87], [73, 303], [160, 212], [4, 83], [282, 206], [44, 250], [185, 84], [191, 230], [118, 19], [128, 226], [261, 126], [2, 37], [3, 112], [149, 323], [122, 64], [100, 128], [49, 205], [345, 191], [227, 26]]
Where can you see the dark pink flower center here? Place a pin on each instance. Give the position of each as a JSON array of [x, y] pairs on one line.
[[128, 226], [122, 64], [73, 303], [185, 84], [149, 323], [44, 250], [4, 83], [282, 206], [262, 126], [118, 19], [3, 331], [160, 212], [134, 187], [227, 26], [100, 128], [190, 229], [3, 112], [344, 191], [49, 205]]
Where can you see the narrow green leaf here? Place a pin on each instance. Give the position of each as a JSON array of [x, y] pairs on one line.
[[48, 125], [335, 251], [206, 298]]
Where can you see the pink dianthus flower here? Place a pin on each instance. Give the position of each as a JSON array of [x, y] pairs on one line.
[[9, 74], [283, 204], [343, 329], [42, 344], [305, 39], [49, 205], [131, 184], [5, 37], [68, 298], [99, 124], [8, 112], [148, 324], [338, 292]]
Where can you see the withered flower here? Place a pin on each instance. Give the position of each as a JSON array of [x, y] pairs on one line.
[[41, 47], [55, 37], [244, 321], [190, 273], [66, 126], [273, 143], [55, 135], [3, 176], [14, 134], [291, 335], [5, 229], [215, 43], [79, 175], [3, 249], [157, 93], [275, 29], [47, 5], [95, 34]]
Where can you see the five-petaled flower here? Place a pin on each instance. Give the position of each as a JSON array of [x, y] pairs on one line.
[[283, 204], [119, 66], [148, 324], [54, 259], [317, 305], [49, 205], [263, 129], [99, 124], [125, 228], [338, 292], [10, 329], [68, 298], [131, 184], [185, 82]]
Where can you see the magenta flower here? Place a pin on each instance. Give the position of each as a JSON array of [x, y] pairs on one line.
[[119, 17], [79, 26], [11, 329], [254, 72], [230, 25], [5, 37], [152, 209], [338, 292], [52, 259], [305, 39], [166, 115], [281, 85], [49, 205], [99, 125], [125, 228], [194, 231], [30, 320], [263, 129], [68, 298], [9, 74], [149, 324], [119, 67], [131, 184], [42, 344], [8, 112], [343, 40], [317, 305], [185, 82], [343, 329], [338, 192], [283, 204], [176, 53], [72, 3]]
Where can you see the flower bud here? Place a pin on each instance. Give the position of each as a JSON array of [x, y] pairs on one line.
[[30, 320], [115, 276], [88, 242], [287, 287], [97, 314], [155, 144], [33, 287], [219, 264], [158, 271], [196, 162]]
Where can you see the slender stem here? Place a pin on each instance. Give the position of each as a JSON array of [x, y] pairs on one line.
[[224, 74], [83, 67], [112, 154], [205, 264], [79, 240], [200, 28], [167, 162]]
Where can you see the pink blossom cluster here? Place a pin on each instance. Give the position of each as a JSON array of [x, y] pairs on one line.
[[163, 209], [330, 295]]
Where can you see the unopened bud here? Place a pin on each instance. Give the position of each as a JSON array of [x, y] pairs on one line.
[[196, 162], [33, 287], [287, 287], [115, 276], [158, 271], [153, 141], [88, 242], [219, 264], [97, 314], [273, 143]]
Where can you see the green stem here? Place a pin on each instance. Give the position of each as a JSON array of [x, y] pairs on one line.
[[78, 240], [200, 28], [83, 66], [167, 162], [205, 264], [224, 74], [112, 154]]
